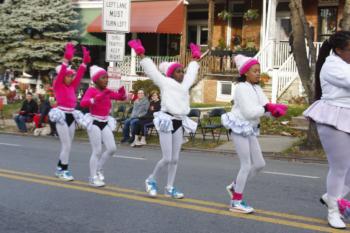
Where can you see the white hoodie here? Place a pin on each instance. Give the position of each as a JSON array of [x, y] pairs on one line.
[[335, 81], [175, 96]]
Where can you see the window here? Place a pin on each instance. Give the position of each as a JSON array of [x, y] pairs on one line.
[[224, 91], [226, 88], [327, 22], [198, 34]]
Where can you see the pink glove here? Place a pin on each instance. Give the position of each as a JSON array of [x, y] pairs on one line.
[[344, 207], [69, 51], [195, 50], [137, 46], [282, 106], [121, 93], [278, 112], [86, 55]]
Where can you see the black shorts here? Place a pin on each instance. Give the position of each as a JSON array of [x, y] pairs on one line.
[[69, 119], [100, 124]]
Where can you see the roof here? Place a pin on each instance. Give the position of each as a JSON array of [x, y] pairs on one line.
[[152, 17]]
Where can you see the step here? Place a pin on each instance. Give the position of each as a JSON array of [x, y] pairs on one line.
[[300, 121]]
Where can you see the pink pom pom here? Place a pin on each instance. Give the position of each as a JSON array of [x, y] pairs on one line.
[[86, 55], [137, 46], [195, 50], [69, 51]]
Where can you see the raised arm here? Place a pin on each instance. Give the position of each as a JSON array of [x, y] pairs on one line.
[[191, 74], [82, 67], [147, 64], [193, 67], [60, 76]]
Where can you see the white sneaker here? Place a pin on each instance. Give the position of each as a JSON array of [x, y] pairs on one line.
[[172, 192], [151, 187], [231, 190], [143, 141], [65, 175], [101, 175], [96, 182], [334, 216], [240, 207]]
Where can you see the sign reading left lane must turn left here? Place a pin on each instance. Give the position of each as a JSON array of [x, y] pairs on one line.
[[116, 16]]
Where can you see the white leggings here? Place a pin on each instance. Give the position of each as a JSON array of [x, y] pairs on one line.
[[96, 137], [171, 147], [66, 135], [336, 144], [250, 157]]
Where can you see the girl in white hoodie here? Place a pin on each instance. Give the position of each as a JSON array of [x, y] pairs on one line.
[[170, 121], [250, 103], [331, 112]]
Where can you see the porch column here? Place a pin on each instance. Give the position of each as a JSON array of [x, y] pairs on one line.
[[183, 43], [271, 30], [133, 57], [263, 25], [211, 16]]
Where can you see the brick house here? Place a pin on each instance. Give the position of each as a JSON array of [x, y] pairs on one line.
[[175, 23]]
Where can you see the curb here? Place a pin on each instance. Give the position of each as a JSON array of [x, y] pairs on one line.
[[268, 155]]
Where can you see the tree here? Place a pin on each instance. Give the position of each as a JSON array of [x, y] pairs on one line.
[[305, 58], [33, 33], [345, 24]]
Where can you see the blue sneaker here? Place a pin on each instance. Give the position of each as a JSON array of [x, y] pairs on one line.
[[172, 192], [58, 171], [151, 187], [65, 175], [240, 207]]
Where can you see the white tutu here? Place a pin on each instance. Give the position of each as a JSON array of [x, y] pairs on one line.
[[163, 123], [324, 113], [238, 126]]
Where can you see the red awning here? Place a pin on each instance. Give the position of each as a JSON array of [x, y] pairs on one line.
[[153, 17]]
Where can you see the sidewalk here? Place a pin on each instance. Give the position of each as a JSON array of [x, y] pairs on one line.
[[268, 144]]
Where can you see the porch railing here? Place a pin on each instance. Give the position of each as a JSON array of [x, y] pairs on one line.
[[286, 74], [283, 78]]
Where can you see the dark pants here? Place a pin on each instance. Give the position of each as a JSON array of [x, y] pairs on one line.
[[21, 122], [129, 124], [141, 126]]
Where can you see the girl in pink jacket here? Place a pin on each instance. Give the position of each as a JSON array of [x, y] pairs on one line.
[[64, 115], [98, 122]]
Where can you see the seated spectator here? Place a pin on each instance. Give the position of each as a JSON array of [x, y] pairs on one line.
[[28, 109], [140, 109], [140, 128], [42, 116]]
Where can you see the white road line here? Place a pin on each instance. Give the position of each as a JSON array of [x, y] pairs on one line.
[[290, 174], [128, 157], [9, 144]]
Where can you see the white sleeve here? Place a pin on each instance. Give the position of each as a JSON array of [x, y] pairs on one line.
[[248, 107], [152, 71], [191, 74], [337, 75]]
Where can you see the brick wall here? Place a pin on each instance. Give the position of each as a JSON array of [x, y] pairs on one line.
[[209, 88]]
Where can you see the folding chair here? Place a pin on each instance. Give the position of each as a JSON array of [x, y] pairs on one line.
[[214, 124], [195, 114], [120, 115]]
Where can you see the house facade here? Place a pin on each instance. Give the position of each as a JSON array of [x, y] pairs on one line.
[[257, 27]]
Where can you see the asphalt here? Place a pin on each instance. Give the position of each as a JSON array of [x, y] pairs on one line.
[[32, 200]]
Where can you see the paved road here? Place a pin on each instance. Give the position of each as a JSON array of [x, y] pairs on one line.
[[32, 200]]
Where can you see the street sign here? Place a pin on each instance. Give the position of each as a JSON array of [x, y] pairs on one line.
[[116, 16], [114, 77], [115, 47]]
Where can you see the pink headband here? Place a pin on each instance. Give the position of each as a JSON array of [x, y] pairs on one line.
[[172, 68], [98, 75], [245, 68]]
